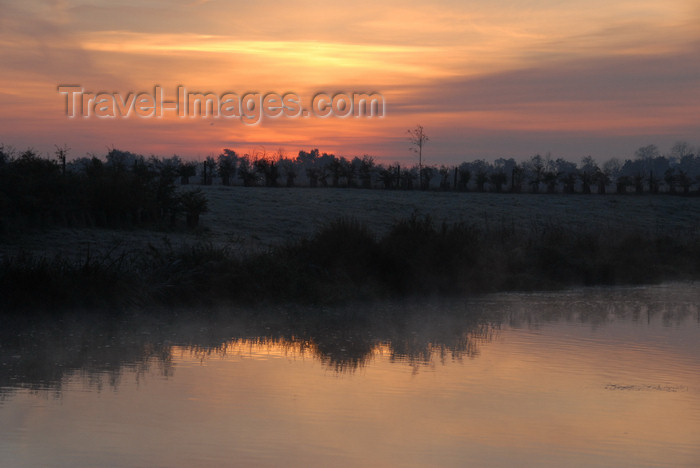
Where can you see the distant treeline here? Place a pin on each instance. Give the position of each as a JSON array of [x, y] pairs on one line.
[[648, 172]]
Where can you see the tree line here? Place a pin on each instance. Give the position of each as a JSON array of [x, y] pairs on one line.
[[128, 189], [677, 172], [121, 190]]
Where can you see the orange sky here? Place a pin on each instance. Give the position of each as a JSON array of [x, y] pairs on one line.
[[485, 79]]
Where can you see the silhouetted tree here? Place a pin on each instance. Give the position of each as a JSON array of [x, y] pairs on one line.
[[395, 170], [690, 164], [611, 170], [246, 171], [407, 178], [418, 138], [647, 153], [535, 169], [601, 179], [365, 170], [670, 178], [444, 172], [290, 172], [464, 177], [680, 150], [309, 162], [622, 183], [312, 173], [268, 167], [120, 160], [227, 165], [167, 170], [427, 175], [187, 170], [481, 170], [516, 179], [335, 168], [653, 183], [588, 173], [386, 176], [61, 154], [550, 179], [5, 154], [568, 173], [194, 203], [638, 180], [684, 181], [347, 172], [208, 168], [498, 179]]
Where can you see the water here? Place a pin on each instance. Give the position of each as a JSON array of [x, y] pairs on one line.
[[594, 377]]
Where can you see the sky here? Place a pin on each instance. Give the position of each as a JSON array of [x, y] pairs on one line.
[[486, 79]]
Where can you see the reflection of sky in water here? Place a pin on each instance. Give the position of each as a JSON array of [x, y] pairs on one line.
[[546, 379]]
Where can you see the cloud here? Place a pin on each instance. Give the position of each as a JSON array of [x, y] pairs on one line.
[[631, 84], [502, 71]]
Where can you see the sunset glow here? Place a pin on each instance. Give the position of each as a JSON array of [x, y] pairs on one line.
[[485, 79]]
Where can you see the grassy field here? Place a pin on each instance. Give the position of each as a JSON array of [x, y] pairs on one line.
[[272, 216], [254, 218]]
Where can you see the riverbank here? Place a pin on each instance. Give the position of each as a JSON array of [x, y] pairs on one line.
[[346, 261]]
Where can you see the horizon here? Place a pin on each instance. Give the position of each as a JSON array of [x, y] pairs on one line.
[[505, 79], [411, 160]]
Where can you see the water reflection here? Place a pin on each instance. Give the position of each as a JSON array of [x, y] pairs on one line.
[[38, 354], [580, 378]]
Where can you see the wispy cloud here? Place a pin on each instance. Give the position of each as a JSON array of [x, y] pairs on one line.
[[499, 69]]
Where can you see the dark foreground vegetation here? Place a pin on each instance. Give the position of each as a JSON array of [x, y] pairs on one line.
[[119, 192], [345, 261]]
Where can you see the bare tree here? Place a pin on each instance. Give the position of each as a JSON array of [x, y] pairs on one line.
[[679, 150], [61, 154], [418, 138]]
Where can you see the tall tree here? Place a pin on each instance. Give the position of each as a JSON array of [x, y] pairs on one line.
[[418, 138], [61, 154]]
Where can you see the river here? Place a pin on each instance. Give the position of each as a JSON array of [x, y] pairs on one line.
[[585, 377]]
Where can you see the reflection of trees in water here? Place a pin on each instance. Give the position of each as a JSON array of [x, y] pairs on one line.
[[670, 304], [40, 355], [347, 338]]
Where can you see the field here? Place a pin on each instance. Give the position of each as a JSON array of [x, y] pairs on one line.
[[255, 218], [271, 216]]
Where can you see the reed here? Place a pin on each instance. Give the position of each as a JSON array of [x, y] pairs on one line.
[[345, 261]]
